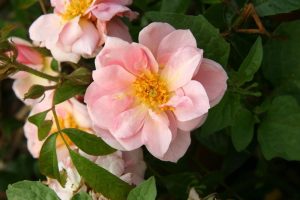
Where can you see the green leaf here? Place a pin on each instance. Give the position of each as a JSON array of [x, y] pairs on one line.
[[48, 158], [175, 6], [82, 196], [100, 179], [212, 1], [55, 65], [44, 126], [30, 190], [144, 191], [38, 118], [44, 129], [88, 143], [250, 64], [281, 64], [279, 134], [222, 115], [242, 129], [207, 36], [273, 7], [66, 91]]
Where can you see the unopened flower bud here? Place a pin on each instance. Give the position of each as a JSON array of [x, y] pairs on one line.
[[36, 91], [81, 76]]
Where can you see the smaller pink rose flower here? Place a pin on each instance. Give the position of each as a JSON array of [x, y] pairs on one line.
[[116, 163], [154, 92], [79, 27], [30, 57], [71, 114]]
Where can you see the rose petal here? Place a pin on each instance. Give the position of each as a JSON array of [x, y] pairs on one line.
[[174, 41], [152, 35], [156, 134], [178, 146], [193, 104], [181, 66], [213, 78]]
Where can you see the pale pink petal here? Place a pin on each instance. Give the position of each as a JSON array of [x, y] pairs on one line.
[[135, 58], [213, 78], [178, 146], [113, 78], [129, 122], [88, 41], [21, 87], [70, 33], [122, 2], [105, 109], [46, 29], [174, 41], [106, 11], [116, 28], [33, 144], [107, 137], [181, 66], [112, 163], [193, 103], [152, 35], [131, 143], [191, 124], [156, 134], [80, 114], [59, 5], [64, 56], [135, 165]]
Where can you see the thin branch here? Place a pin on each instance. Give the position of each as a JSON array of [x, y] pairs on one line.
[[43, 6]]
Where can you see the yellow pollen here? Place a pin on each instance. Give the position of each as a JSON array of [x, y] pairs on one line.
[[76, 8], [152, 91], [67, 122]]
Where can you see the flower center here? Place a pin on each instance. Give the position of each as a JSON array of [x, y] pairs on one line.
[[76, 8], [67, 122], [151, 90]]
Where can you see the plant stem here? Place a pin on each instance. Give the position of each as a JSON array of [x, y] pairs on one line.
[[36, 72], [43, 6]]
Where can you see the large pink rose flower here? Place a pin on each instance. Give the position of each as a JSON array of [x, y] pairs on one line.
[[154, 92], [30, 57], [79, 27]]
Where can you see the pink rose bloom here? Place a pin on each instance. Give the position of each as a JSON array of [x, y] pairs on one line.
[[79, 27], [28, 56], [119, 163], [154, 92], [71, 114]]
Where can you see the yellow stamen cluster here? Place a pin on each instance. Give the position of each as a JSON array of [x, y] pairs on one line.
[[68, 122], [152, 91], [76, 8]]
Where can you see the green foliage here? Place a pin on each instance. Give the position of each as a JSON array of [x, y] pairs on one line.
[[48, 158], [242, 129], [273, 7], [279, 133], [144, 191], [207, 36], [44, 126], [29, 190], [82, 196], [281, 63], [175, 6], [88, 143], [67, 90], [100, 179], [251, 64], [222, 115]]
